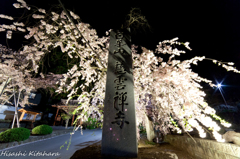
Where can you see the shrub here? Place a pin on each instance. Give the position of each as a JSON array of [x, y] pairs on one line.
[[91, 123], [15, 134], [150, 143], [142, 129], [42, 130]]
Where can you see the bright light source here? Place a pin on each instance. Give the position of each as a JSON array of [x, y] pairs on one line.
[[219, 87]]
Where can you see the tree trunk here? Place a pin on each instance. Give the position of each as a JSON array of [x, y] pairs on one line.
[[66, 124], [16, 111], [149, 128], [3, 87]]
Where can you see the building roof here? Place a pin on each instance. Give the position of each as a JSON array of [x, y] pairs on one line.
[[27, 108]]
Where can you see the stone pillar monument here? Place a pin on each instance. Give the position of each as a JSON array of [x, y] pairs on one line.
[[119, 124]]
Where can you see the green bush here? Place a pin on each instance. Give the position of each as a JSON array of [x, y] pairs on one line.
[[142, 129], [150, 143], [42, 130], [15, 134], [91, 123]]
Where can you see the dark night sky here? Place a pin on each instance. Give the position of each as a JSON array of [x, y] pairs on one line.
[[211, 26]]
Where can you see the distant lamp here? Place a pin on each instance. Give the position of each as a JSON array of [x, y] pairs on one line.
[[219, 85]]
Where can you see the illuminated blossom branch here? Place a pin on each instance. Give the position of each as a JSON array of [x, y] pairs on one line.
[[13, 81], [11, 69], [57, 31], [175, 90], [8, 74]]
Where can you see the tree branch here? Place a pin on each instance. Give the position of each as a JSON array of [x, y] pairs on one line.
[[98, 58]]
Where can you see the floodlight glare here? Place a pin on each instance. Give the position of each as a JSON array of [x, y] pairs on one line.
[[219, 85]]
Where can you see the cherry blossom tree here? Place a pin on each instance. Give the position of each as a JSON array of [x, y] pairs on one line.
[[13, 81], [12, 68], [175, 90]]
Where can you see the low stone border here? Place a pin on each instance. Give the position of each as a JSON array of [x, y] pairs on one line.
[[34, 138], [203, 148]]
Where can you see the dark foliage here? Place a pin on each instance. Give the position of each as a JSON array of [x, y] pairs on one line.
[[15, 134], [42, 130]]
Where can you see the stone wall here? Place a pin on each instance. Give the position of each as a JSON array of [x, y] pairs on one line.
[[203, 148]]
